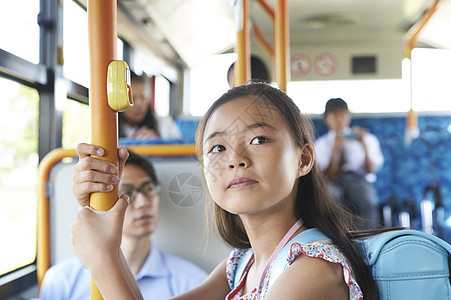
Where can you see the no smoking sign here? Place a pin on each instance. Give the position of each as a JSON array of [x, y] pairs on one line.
[[326, 64]]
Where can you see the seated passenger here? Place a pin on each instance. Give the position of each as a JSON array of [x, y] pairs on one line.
[[350, 159], [256, 152], [159, 275], [140, 122]]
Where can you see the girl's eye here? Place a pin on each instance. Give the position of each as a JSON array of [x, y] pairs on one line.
[[217, 149], [259, 140]]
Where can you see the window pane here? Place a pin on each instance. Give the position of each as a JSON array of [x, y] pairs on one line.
[[18, 174], [75, 49], [162, 94], [18, 18], [208, 81], [120, 49], [75, 124], [431, 71], [76, 44], [362, 96]]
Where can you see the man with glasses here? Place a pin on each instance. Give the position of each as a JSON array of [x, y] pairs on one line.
[[159, 275]]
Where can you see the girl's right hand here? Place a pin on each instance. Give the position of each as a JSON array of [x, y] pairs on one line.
[[97, 235], [93, 174]]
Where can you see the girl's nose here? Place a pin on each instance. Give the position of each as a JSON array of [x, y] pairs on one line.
[[233, 164]]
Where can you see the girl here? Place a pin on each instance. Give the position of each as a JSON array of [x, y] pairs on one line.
[[255, 148]]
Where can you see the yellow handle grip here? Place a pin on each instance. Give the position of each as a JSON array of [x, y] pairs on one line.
[[118, 86]]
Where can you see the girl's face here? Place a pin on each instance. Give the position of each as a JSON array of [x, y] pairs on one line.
[[251, 164], [138, 111]]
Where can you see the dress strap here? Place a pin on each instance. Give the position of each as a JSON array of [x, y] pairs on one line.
[[276, 252], [273, 256]]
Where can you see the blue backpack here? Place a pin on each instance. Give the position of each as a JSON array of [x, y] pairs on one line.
[[406, 264]]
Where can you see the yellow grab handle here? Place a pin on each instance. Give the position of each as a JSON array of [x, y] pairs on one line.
[[118, 86]]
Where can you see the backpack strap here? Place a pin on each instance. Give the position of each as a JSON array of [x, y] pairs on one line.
[[280, 262]]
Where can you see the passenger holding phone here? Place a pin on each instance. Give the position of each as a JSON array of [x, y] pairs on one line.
[[350, 158]]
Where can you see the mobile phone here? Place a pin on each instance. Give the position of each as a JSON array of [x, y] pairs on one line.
[[348, 135]]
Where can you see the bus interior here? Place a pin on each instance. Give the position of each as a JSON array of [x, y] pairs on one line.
[[389, 59]]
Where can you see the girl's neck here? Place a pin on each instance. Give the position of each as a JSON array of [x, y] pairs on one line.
[[264, 235], [136, 251]]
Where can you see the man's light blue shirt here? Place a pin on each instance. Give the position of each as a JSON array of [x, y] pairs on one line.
[[162, 276]]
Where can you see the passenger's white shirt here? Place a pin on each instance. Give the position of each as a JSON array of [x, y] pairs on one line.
[[161, 277], [167, 128], [354, 160]]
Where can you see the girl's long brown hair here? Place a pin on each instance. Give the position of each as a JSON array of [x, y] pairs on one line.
[[313, 203]]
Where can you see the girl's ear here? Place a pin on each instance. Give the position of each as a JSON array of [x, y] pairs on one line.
[[306, 160]]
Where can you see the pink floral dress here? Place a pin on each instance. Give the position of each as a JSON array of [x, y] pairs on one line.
[[328, 252]]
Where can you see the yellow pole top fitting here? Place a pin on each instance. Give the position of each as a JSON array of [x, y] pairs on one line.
[[119, 86]]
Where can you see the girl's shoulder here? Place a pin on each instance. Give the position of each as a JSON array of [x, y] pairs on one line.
[[330, 253]]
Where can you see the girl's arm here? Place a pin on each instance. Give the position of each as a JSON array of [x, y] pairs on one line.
[[214, 287], [310, 278], [96, 240], [115, 280]]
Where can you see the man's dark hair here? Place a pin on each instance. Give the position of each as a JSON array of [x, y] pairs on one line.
[[259, 71], [334, 104], [142, 163]]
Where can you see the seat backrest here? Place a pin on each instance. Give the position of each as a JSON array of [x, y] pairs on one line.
[[181, 224]]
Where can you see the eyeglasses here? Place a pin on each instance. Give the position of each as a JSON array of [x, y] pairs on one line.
[[149, 189]]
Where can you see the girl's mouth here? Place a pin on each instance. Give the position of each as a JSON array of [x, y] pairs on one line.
[[241, 182]]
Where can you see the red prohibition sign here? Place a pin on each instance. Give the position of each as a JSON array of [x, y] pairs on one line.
[[326, 64], [300, 65]]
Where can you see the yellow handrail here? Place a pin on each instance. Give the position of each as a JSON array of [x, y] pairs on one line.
[[43, 249], [415, 30], [262, 40], [102, 28], [242, 67], [282, 44], [412, 120]]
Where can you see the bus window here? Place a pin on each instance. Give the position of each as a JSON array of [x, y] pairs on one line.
[[430, 88], [75, 45], [430, 79], [162, 94], [362, 96], [75, 49], [75, 124], [19, 29], [18, 174], [208, 81]]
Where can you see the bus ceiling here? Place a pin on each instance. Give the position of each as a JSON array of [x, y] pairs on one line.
[[182, 32]]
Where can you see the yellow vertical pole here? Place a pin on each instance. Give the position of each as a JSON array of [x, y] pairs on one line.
[[282, 44], [412, 130], [242, 65], [102, 16]]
